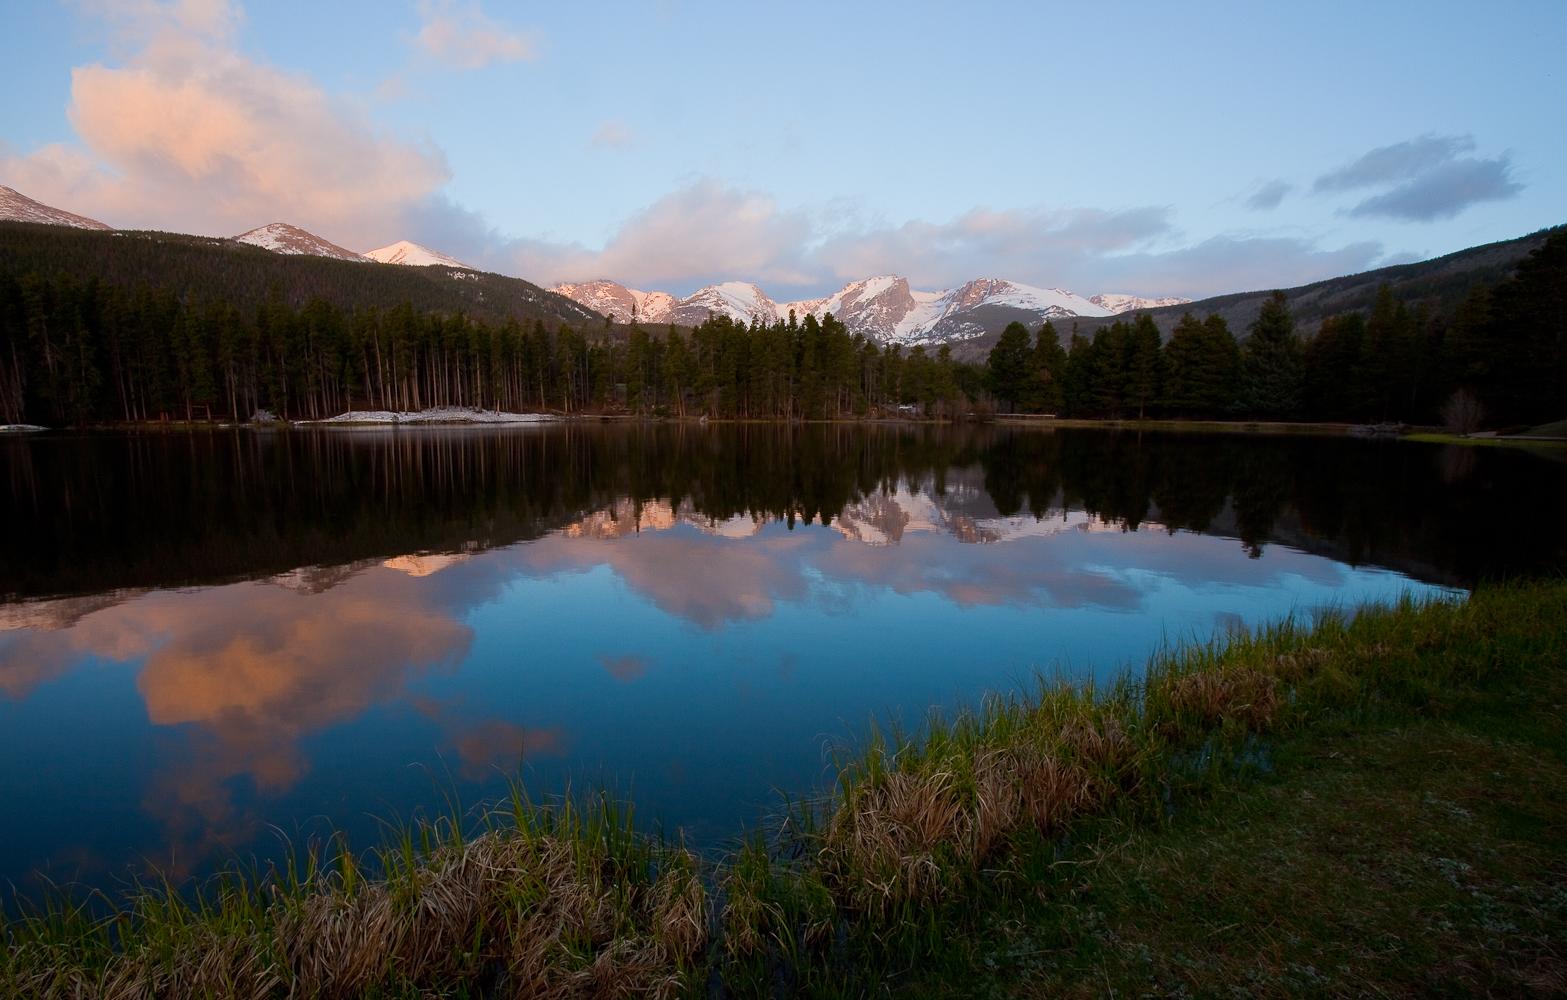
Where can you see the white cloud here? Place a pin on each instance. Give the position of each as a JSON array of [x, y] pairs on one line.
[[463, 36], [707, 231]]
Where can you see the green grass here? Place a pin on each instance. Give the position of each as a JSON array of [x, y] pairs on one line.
[[1491, 442], [1329, 429], [1414, 858], [1373, 805], [1557, 428]]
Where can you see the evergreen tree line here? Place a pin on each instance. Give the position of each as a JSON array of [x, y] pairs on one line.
[[74, 352], [1502, 354]]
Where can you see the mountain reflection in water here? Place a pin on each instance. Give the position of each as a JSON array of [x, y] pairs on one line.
[[218, 634]]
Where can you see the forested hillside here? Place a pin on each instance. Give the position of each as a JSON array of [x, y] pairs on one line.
[[1440, 284], [104, 327], [1496, 355], [246, 276]]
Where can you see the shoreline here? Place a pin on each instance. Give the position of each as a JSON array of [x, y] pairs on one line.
[[903, 862], [462, 417]]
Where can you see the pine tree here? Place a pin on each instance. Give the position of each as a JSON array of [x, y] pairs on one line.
[[1009, 363], [1271, 368], [1047, 369], [1145, 365]]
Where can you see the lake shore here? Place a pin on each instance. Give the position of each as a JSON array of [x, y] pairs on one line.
[[469, 417], [1178, 830]]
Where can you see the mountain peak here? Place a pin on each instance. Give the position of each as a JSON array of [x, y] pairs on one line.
[[1134, 303], [883, 307], [17, 207], [281, 237], [414, 255]]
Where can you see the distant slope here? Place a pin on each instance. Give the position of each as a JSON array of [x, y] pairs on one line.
[[1134, 303], [883, 308], [1441, 283], [280, 237], [246, 276], [413, 255], [17, 207]]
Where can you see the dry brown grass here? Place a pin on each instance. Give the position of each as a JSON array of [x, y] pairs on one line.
[[1214, 697], [531, 916]]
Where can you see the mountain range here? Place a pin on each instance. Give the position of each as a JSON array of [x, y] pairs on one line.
[[276, 260], [884, 308]]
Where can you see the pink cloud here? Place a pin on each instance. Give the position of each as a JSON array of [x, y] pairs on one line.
[[463, 36], [193, 136]]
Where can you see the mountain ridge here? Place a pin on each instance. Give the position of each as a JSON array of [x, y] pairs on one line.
[[17, 207], [884, 307], [413, 254], [285, 238]]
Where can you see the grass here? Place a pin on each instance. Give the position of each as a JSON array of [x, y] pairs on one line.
[[1331, 429], [1370, 805], [544, 902], [1556, 428], [1530, 444]]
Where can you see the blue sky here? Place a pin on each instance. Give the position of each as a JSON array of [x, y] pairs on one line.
[[1148, 148]]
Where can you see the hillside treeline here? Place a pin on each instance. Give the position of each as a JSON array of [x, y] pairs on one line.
[[79, 350], [247, 276], [73, 352], [1499, 357]]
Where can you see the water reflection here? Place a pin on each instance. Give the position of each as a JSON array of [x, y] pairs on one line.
[[682, 614]]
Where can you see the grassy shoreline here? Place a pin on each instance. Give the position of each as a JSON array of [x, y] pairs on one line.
[[899, 878]]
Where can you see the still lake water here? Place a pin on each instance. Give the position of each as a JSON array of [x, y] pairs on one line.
[[210, 639]]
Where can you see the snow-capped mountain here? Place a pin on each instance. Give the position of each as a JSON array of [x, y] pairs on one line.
[[280, 237], [414, 255], [1133, 303], [622, 303], [872, 306], [17, 207], [739, 300], [987, 305], [883, 308]]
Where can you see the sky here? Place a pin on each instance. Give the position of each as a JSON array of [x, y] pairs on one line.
[[1152, 149]]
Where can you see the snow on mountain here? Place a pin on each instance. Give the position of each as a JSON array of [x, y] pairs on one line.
[[17, 207], [739, 300], [883, 308], [986, 305], [620, 302], [1133, 303], [871, 306], [280, 237], [413, 255]]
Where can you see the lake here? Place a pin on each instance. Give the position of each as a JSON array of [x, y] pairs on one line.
[[213, 641]]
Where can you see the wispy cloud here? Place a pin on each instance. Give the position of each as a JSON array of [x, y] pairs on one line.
[[1444, 191], [1268, 195], [463, 36], [1397, 162], [1427, 178], [708, 231], [613, 135]]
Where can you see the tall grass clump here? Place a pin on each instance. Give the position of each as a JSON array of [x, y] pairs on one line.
[[542, 901]]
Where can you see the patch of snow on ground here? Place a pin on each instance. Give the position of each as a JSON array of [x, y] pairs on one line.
[[437, 415]]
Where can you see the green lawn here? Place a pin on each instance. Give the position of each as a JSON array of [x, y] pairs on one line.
[[1427, 858]]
